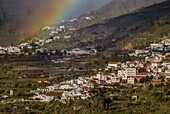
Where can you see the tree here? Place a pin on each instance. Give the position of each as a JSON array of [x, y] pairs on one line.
[[146, 79], [142, 70]]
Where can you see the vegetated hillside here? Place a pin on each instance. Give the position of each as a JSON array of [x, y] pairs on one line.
[[134, 30], [117, 8]]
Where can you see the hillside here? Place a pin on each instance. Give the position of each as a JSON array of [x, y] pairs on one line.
[[21, 20], [24, 22], [134, 30], [120, 7], [117, 8]]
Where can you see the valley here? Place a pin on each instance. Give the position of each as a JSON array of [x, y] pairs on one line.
[[115, 62]]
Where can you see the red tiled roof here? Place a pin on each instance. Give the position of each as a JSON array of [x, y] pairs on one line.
[[160, 66], [138, 67], [85, 92], [108, 74], [141, 73]]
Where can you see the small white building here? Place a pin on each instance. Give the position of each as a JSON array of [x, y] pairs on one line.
[[115, 80], [2, 52], [166, 42], [48, 41], [62, 27], [153, 58], [43, 98], [137, 52], [158, 47], [56, 37], [130, 72], [131, 81], [12, 50], [101, 77], [67, 37], [87, 18], [114, 65], [121, 73], [66, 95]]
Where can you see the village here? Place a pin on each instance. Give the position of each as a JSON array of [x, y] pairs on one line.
[[130, 72], [152, 67], [63, 31], [85, 57]]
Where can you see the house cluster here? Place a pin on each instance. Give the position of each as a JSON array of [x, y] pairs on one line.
[[152, 65], [10, 50], [41, 97], [80, 87], [24, 48], [64, 30], [164, 45], [27, 49], [128, 72], [132, 71], [55, 32], [78, 51]]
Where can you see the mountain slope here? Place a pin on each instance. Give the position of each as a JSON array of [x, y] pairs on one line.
[[120, 7], [117, 8], [138, 28], [22, 19]]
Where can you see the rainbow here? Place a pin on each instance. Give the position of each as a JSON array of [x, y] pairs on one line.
[[67, 9], [33, 15], [59, 9], [47, 13]]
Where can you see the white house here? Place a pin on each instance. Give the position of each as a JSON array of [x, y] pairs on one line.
[[114, 64], [66, 86], [2, 52], [67, 37], [154, 58], [137, 52], [131, 81], [158, 47], [43, 98], [166, 42], [62, 27], [66, 95], [87, 18], [48, 41], [11, 50], [50, 88], [124, 74], [43, 90], [130, 71], [101, 77], [115, 80], [121, 73]]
